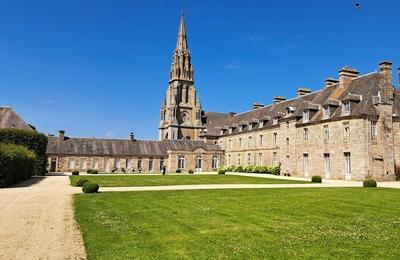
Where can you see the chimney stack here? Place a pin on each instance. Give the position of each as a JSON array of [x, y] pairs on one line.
[[132, 137], [385, 68], [257, 106], [61, 136], [278, 99], [346, 74], [398, 75], [303, 91], [330, 81]]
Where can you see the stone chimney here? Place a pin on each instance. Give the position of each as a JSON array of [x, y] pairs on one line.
[[303, 91], [132, 137], [61, 136], [398, 75], [385, 69], [346, 74], [278, 99], [330, 81], [232, 114], [257, 106]]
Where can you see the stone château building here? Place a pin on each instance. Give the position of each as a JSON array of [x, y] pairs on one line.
[[349, 129]]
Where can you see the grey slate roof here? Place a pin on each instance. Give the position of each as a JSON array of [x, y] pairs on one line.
[[10, 119], [360, 90], [122, 147]]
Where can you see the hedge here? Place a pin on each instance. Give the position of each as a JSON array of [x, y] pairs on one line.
[[33, 140], [276, 169], [16, 164]]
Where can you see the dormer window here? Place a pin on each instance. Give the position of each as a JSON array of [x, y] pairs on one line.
[[261, 123], [221, 132], [275, 121], [306, 116], [346, 108], [240, 128], [230, 130], [326, 112]]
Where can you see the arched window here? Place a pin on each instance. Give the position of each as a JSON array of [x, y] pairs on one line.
[[166, 136], [181, 162], [214, 162]]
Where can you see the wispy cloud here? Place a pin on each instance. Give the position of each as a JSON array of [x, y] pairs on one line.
[[232, 66], [110, 134], [256, 37]]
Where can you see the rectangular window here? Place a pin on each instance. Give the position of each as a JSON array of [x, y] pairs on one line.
[[249, 159], [306, 164], [306, 116], [274, 157], [287, 164], [239, 159], [275, 138], [240, 142], [347, 166], [230, 144], [106, 164], [95, 163], [261, 140], [327, 165], [249, 142], [214, 162], [326, 132], [150, 164], [71, 163], [287, 141], [181, 162], [345, 108], [346, 132], [83, 163], [229, 159], [373, 130], [161, 164], [326, 112], [260, 159], [139, 164], [305, 134]]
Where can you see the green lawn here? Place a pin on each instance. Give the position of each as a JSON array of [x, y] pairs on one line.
[[297, 223], [158, 180]]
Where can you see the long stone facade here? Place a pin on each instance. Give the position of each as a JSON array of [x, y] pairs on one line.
[[349, 129]]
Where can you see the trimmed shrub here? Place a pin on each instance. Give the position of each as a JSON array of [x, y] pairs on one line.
[[89, 171], [276, 170], [190, 172], [249, 169], [75, 172], [33, 140], [239, 169], [369, 182], [221, 170], [90, 187], [178, 171], [231, 168], [16, 164], [81, 182], [94, 172], [316, 179]]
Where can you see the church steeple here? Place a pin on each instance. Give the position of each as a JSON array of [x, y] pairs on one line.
[[181, 67], [181, 112], [181, 43]]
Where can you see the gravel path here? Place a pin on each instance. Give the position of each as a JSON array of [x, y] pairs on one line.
[[37, 221]]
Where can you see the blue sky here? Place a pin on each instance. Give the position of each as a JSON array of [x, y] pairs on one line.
[[100, 67]]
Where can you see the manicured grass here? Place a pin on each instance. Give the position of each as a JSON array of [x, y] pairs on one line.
[[159, 180], [313, 223]]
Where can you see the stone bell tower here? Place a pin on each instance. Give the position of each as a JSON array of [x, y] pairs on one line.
[[181, 108]]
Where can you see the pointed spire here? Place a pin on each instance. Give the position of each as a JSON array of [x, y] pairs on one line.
[[181, 43]]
